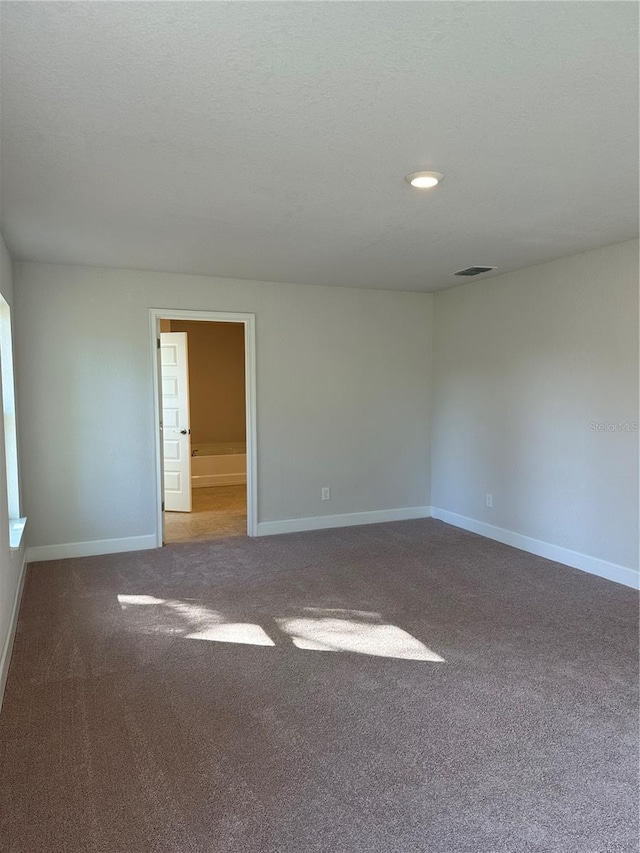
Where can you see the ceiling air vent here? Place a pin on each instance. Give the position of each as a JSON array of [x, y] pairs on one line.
[[474, 271]]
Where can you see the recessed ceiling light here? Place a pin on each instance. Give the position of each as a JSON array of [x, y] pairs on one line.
[[424, 180]]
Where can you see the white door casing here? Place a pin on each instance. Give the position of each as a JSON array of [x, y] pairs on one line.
[[157, 374], [156, 316], [176, 434]]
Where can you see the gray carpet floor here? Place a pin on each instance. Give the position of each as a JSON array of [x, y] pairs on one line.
[[398, 688]]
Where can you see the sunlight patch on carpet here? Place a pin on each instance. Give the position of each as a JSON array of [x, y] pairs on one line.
[[354, 631], [234, 632], [312, 628], [190, 620]]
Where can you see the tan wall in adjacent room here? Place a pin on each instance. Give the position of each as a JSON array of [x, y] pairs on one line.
[[216, 380]]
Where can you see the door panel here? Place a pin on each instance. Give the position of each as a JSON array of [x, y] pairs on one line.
[[175, 421]]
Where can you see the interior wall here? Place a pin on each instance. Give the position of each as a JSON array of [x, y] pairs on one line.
[[10, 561], [216, 380], [343, 387], [536, 402]]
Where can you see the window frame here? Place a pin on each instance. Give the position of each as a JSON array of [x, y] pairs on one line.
[[7, 381]]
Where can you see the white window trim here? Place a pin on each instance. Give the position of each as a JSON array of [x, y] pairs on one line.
[[16, 521], [16, 531]]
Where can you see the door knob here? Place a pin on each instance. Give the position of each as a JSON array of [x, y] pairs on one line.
[[184, 431]]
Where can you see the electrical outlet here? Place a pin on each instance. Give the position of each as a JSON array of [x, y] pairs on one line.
[[489, 500], [326, 493]]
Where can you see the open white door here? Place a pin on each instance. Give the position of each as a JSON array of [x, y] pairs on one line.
[[176, 434]]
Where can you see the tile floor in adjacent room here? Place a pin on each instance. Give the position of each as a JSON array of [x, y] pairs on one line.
[[218, 512]]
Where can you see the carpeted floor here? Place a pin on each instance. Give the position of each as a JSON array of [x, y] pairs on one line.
[[398, 688]]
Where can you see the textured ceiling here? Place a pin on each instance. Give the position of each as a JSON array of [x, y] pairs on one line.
[[270, 140]]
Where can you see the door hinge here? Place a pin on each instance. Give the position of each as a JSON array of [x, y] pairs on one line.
[[162, 506], [158, 339]]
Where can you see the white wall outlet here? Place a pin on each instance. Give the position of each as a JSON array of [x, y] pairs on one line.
[[326, 493], [489, 500]]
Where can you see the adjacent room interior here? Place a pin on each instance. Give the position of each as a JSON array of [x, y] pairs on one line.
[[352, 289], [202, 366]]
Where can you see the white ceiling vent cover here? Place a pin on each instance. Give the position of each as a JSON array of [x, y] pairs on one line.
[[470, 271]]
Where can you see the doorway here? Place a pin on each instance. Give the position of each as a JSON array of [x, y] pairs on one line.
[[205, 437]]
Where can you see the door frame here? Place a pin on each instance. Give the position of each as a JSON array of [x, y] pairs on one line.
[[249, 323]]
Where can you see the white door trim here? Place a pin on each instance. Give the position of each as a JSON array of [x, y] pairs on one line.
[[249, 322]]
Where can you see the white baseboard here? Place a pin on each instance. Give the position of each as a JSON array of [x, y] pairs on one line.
[[348, 519], [90, 549], [592, 565], [205, 481], [5, 660]]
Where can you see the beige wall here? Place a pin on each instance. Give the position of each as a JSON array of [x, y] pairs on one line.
[[343, 386], [527, 367], [216, 380], [10, 561], [526, 364]]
